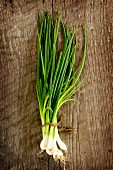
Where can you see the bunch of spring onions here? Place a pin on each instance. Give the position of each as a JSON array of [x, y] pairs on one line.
[[57, 79]]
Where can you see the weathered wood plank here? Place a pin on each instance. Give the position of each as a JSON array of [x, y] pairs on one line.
[[20, 131], [19, 121], [92, 113]]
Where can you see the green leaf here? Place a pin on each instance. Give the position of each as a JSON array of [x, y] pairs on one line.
[[57, 79]]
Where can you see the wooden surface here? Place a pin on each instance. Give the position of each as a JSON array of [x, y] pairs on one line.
[[20, 132]]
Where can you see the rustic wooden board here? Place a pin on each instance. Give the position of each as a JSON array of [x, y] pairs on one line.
[[20, 132]]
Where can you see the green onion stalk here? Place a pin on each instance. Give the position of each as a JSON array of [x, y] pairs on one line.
[[57, 79]]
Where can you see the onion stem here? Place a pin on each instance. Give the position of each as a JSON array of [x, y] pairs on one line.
[[57, 79]]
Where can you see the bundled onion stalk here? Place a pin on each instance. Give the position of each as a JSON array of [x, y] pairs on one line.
[[57, 79]]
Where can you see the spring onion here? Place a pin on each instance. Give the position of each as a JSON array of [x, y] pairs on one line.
[[57, 79]]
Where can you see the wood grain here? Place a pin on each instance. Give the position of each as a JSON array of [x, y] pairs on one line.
[[20, 132]]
